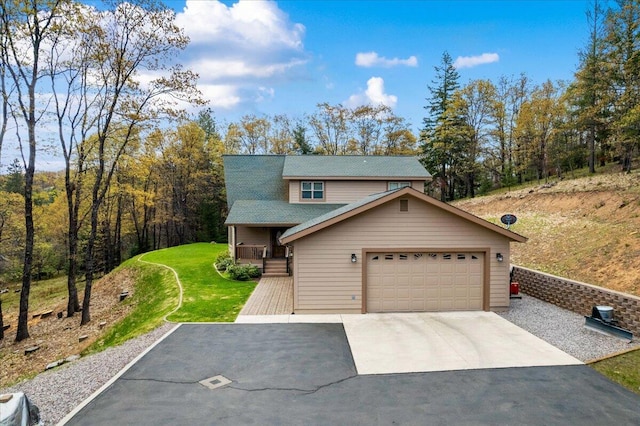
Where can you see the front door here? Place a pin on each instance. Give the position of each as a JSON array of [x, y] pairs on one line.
[[277, 250]]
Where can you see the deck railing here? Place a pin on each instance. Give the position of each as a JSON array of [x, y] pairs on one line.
[[250, 251]]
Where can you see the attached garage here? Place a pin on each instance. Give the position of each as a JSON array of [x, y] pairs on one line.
[[399, 251], [424, 281]]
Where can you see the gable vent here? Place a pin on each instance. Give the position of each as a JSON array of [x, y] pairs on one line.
[[404, 205]]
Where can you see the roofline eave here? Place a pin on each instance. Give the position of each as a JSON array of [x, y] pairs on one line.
[[395, 194]]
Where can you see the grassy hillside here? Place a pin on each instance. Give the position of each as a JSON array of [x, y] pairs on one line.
[[587, 229], [153, 294]]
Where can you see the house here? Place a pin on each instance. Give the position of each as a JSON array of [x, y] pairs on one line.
[[358, 234]]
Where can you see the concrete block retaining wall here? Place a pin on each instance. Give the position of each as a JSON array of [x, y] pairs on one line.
[[579, 297]]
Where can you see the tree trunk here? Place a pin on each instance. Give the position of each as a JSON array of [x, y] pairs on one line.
[[626, 159], [1, 322], [89, 262], [443, 187], [73, 304], [117, 251], [23, 316], [592, 149]]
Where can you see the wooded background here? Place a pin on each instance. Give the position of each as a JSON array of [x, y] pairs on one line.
[[141, 173]]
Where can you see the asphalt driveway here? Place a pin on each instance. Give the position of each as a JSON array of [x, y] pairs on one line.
[[295, 374]]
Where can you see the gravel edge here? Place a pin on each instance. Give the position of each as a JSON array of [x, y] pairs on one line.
[[57, 392], [563, 329]]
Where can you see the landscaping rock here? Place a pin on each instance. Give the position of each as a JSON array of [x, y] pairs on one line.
[[54, 364], [31, 350], [102, 324], [83, 338], [46, 314], [123, 295]]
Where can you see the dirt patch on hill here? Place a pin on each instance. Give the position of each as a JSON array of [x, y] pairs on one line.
[[585, 229], [59, 338]]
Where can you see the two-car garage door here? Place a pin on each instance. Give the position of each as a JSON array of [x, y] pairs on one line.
[[423, 281]]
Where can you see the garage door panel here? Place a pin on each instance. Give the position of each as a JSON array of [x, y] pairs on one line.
[[400, 282]]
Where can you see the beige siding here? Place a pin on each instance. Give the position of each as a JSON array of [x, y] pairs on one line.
[[418, 185], [250, 235], [339, 287], [344, 192]]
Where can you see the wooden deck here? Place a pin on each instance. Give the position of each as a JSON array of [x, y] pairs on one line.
[[272, 296]]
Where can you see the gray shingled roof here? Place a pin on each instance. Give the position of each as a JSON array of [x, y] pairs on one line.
[[254, 177], [353, 166], [337, 212], [271, 212]]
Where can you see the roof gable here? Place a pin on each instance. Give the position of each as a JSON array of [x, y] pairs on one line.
[[368, 203], [254, 177], [353, 166]]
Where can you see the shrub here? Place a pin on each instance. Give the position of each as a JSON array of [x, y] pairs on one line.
[[223, 261], [243, 272], [253, 271]]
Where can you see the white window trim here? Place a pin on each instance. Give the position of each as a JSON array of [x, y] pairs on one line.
[[312, 190], [398, 184]]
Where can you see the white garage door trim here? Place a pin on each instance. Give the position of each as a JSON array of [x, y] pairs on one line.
[[486, 266]]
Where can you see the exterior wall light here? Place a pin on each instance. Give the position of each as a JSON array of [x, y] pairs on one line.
[[354, 258], [499, 257]]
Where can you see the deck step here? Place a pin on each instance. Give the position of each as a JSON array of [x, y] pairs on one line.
[[275, 268]]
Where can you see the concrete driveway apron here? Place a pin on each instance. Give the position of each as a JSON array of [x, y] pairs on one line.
[[422, 342]]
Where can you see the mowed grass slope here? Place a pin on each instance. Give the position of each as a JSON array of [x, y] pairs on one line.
[[208, 297], [155, 295]]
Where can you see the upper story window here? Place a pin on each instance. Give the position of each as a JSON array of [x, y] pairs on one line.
[[396, 185], [312, 190]]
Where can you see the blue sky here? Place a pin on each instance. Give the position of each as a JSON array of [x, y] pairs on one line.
[[285, 57]]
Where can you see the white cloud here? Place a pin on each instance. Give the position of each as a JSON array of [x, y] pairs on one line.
[[259, 23], [220, 96], [247, 46], [374, 95], [472, 61], [217, 69], [265, 93], [372, 59]]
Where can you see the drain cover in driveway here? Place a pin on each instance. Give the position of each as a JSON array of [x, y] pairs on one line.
[[215, 382]]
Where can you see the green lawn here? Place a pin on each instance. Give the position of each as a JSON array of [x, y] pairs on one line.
[[208, 297], [624, 369]]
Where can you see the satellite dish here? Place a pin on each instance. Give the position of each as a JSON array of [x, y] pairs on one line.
[[508, 219]]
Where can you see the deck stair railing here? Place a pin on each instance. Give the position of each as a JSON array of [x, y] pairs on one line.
[[264, 258], [286, 255]]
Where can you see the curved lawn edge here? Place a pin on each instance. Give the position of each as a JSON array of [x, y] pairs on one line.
[[207, 296], [176, 276]]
